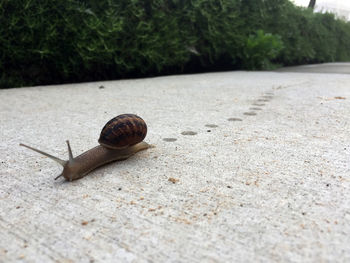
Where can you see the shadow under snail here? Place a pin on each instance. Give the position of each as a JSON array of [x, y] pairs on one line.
[[120, 138]]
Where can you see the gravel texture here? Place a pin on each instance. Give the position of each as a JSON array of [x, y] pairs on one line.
[[247, 167]]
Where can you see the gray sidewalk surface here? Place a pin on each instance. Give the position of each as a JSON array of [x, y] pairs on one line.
[[246, 167]]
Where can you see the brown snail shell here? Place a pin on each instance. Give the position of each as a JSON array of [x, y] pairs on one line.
[[123, 131]]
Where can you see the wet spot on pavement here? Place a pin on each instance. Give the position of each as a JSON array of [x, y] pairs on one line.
[[188, 133], [250, 113], [169, 139], [234, 119]]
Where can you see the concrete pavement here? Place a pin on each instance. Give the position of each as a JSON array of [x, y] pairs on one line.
[[247, 167], [327, 68]]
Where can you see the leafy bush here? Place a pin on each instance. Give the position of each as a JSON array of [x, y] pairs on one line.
[[54, 41], [62, 41], [260, 49], [307, 37]]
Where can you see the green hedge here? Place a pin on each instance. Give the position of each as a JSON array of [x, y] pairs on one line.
[[52, 41]]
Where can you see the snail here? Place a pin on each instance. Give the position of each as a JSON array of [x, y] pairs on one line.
[[120, 138]]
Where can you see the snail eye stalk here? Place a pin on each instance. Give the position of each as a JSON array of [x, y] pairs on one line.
[[58, 160]]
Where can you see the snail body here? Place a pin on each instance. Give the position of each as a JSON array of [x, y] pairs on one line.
[[120, 138]]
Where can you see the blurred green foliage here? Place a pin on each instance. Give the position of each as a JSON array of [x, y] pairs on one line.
[[51, 41], [260, 49]]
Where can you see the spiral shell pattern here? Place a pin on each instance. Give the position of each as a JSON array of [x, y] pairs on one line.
[[123, 131]]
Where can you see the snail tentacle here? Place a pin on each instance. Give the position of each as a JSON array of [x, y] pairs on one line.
[[58, 160], [70, 154]]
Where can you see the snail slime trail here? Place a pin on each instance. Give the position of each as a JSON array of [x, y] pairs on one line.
[[120, 138]]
